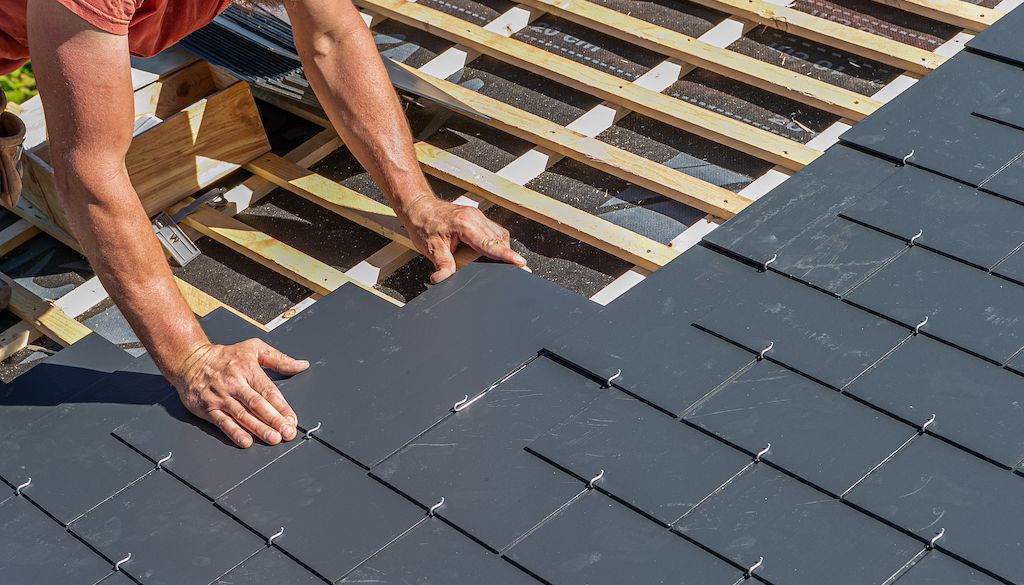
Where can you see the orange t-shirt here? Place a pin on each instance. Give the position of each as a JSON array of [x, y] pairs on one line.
[[151, 25]]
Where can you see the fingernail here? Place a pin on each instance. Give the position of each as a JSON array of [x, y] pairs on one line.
[[246, 442], [520, 260], [272, 437], [303, 364], [289, 432]]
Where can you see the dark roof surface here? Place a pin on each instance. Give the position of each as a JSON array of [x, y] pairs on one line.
[[828, 390]]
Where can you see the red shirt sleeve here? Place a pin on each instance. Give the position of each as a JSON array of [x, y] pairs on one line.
[[112, 16]]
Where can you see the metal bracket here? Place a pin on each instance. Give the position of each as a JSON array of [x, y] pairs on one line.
[[179, 246]]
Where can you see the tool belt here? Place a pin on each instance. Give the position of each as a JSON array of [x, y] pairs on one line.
[[12, 137]]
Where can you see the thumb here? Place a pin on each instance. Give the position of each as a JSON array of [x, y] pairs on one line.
[[275, 360], [444, 263]]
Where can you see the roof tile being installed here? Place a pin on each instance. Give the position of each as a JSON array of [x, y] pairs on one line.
[[825, 391]]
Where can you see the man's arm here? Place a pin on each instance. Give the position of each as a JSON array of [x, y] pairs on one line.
[[84, 79], [345, 70]]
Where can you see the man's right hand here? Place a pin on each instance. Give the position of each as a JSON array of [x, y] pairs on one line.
[[226, 385]]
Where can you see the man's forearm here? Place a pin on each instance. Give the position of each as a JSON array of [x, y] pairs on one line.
[[110, 223], [345, 70]]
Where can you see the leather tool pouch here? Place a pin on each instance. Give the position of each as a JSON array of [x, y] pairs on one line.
[[12, 137]]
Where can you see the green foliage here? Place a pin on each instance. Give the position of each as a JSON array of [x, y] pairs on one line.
[[20, 85]]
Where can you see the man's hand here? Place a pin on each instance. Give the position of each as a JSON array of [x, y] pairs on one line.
[[226, 385], [438, 227]]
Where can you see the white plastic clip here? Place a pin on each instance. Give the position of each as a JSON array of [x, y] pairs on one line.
[[595, 479], [927, 423], [608, 382], [910, 154], [17, 490], [434, 508], [762, 453], [917, 328], [754, 567], [309, 433], [465, 402], [941, 533], [160, 464], [760, 354], [915, 237], [275, 536], [770, 261], [117, 565]]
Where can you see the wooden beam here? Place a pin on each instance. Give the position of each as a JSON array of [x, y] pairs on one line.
[[595, 153], [830, 33], [268, 251], [689, 117], [958, 13], [597, 232], [43, 315], [670, 43], [15, 235], [318, 189]]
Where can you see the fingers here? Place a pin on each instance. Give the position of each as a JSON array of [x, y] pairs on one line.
[[273, 397], [440, 253], [243, 415], [493, 241], [229, 427], [275, 360]]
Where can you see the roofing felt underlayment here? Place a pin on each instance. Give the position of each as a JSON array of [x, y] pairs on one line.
[[826, 391]]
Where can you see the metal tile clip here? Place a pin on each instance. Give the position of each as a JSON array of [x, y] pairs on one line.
[[762, 453], [917, 328], [309, 433], [17, 490], [117, 565], [750, 572], [165, 459], [465, 402], [941, 533], [595, 479], [275, 536], [770, 261], [927, 423], [914, 238], [769, 347], [434, 508], [612, 378], [907, 157]]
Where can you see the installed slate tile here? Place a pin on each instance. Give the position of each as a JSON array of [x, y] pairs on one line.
[[952, 218], [597, 541], [337, 322], [939, 569], [269, 567], [1002, 39], [1012, 267], [493, 489], [202, 455], [964, 306], [934, 120], [650, 460], [226, 328], [174, 534], [646, 333], [1008, 181], [1004, 107], [803, 535], [73, 461], [117, 578], [669, 365], [334, 515], [810, 332], [975, 403], [931, 485], [454, 340], [434, 553], [36, 550], [70, 372], [815, 432], [797, 223]]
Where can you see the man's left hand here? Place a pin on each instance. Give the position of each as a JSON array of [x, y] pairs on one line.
[[437, 228]]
